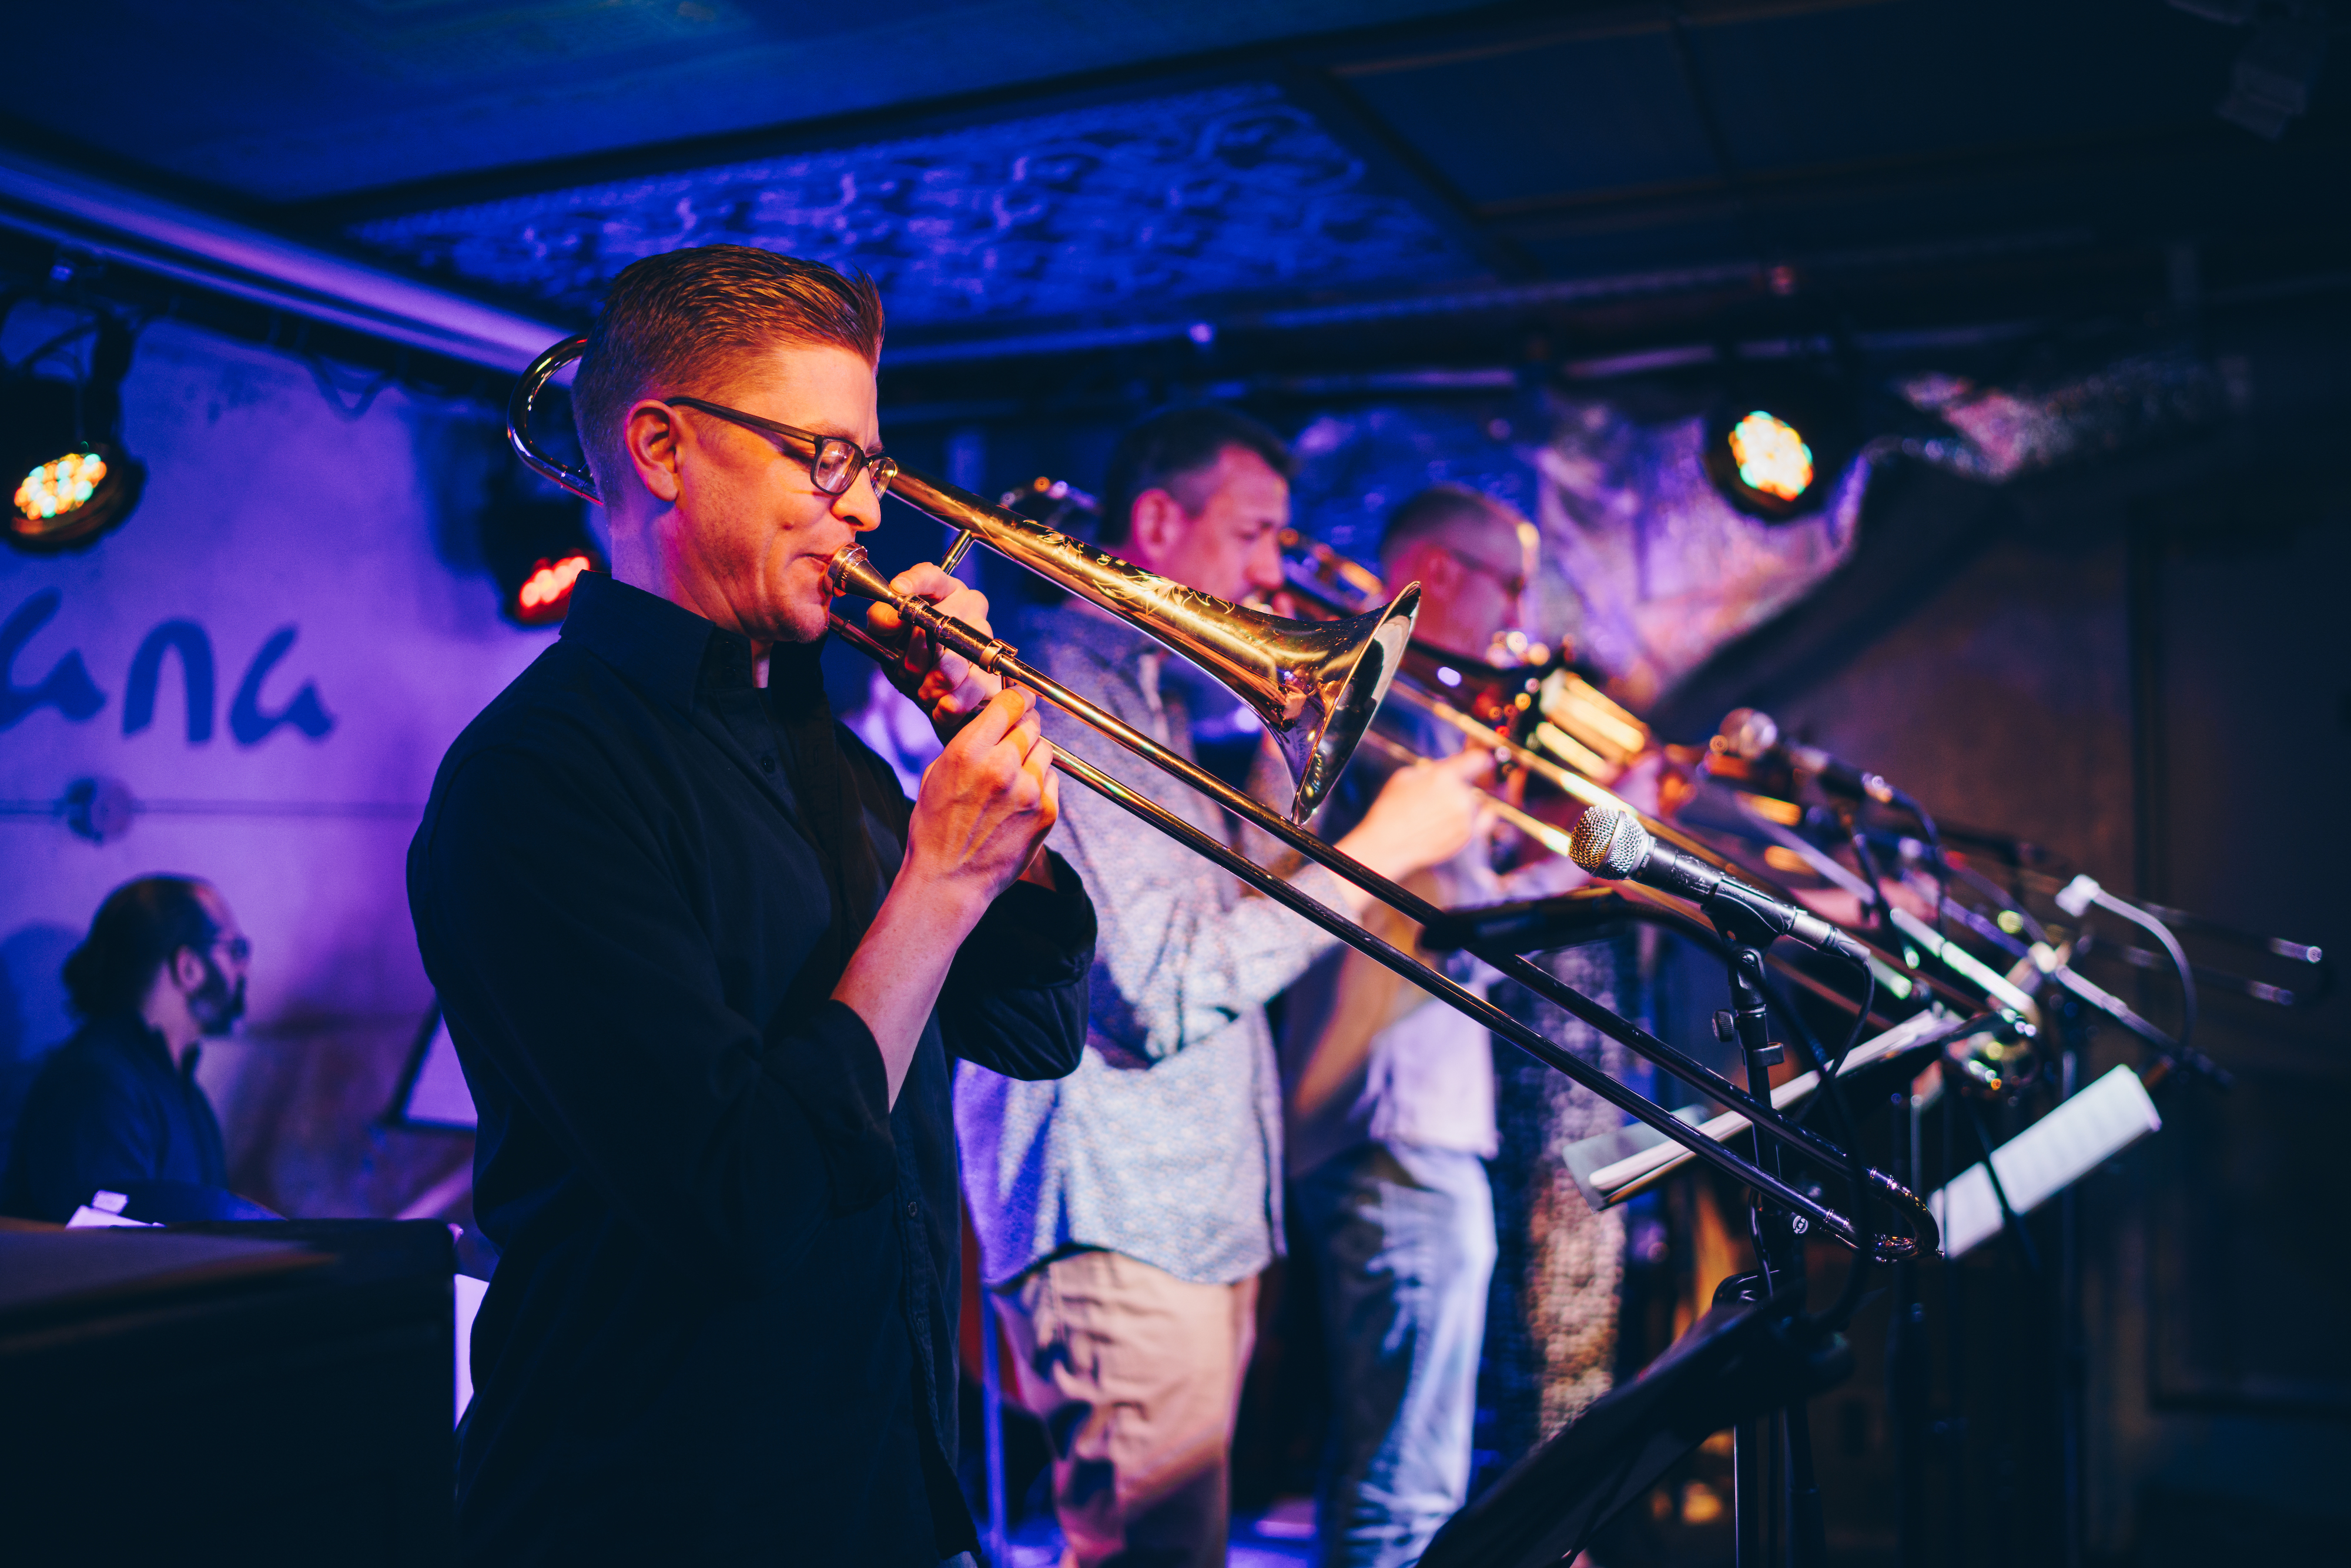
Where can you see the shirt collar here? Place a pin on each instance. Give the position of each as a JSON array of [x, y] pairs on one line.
[[664, 647], [135, 1033]]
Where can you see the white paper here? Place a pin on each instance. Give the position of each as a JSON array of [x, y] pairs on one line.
[[2047, 1158], [469, 1292]]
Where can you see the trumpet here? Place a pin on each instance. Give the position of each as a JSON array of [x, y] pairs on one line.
[[1556, 725], [1326, 678], [1545, 705]]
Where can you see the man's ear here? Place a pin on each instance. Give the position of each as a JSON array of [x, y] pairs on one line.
[[1158, 524], [650, 436], [187, 968]]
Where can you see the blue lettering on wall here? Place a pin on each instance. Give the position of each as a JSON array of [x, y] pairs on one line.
[[196, 650], [305, 713], [66, 687]]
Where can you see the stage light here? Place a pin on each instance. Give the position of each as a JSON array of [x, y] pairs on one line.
[[62, 486], [69, 478], [535, 549], [1771, 456], [1777, 441], [545, 594]]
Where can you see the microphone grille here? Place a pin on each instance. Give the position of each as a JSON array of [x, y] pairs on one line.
[[1608, 842]]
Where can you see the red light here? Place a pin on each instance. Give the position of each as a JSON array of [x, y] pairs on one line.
[[546, 593]]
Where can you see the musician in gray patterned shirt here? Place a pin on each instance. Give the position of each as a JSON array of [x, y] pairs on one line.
[[1126, 1211]]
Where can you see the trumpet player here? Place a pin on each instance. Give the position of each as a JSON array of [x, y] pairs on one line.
[[704, 964], [1390, 1100], [1125, 1212]]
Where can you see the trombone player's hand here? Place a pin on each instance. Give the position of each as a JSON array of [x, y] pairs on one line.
[[1425, 815], [942, 684]]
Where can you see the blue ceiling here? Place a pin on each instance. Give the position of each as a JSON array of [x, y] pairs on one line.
[[1123, 207], [288, 100], [1025, 166]]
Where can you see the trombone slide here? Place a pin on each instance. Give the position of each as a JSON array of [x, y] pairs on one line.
[[853, 574]]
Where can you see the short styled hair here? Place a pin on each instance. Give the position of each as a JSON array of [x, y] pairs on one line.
[[1172, 446], [672, 323], [137, 930], [1437, 513]]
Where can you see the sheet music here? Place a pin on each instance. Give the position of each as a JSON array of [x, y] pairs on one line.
[[2044, 1159]]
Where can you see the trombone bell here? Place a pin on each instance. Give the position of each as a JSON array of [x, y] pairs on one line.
[[1314, 684]]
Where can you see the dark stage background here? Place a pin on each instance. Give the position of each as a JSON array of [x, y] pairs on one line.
[[2079, 278]]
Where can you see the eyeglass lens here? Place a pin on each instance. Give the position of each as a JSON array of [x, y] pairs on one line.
[[837, 463]]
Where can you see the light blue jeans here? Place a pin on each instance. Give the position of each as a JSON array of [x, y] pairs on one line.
[[1404, 1248]]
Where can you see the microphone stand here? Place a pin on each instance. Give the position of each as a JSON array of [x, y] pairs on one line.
[[1775, 1497]]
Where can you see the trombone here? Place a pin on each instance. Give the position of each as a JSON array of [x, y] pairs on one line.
[[1316, 685]]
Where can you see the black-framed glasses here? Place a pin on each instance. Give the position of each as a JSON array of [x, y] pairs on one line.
[[238, 950], [833, 461]]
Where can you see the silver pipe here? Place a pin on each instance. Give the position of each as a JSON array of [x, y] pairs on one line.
[[189, 246]]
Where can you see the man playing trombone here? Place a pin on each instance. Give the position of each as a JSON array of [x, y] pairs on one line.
[[704, 964], [1125, 1212]]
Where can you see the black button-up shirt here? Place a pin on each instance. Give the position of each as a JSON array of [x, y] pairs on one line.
[[111, 1112], [721, 1328]]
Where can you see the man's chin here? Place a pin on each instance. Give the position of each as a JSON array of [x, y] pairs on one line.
[[806, 624]]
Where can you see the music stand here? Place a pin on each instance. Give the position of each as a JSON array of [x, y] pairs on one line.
[[1739, 1362]]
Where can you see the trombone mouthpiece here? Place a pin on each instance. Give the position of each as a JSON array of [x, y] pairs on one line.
[[852, 572], [1608, 842]]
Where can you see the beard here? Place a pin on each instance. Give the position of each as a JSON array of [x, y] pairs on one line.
[[217, 1005]]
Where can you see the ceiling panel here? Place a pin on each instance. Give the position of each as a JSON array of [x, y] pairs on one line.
[[1565, 117], [1128, 207], [292, 100], [1895, 81]]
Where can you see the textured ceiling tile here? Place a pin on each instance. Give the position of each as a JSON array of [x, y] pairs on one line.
[[1105, 209]]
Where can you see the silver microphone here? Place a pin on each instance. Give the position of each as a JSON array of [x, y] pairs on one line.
[[1614, 844]]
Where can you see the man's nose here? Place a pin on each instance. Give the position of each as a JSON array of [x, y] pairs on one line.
[[859, 505], [1264, 572]]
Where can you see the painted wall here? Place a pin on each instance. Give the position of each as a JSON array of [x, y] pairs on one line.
[[325, 567]]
